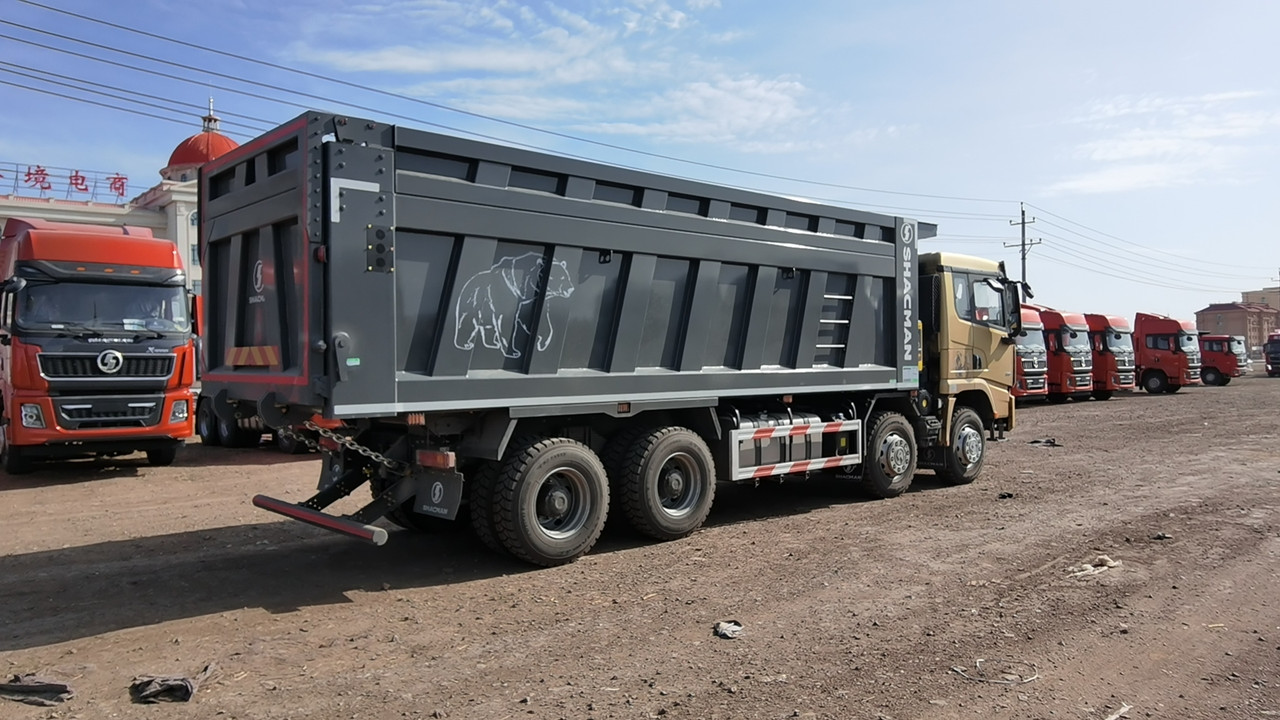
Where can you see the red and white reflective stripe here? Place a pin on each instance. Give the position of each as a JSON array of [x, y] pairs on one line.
[[797, 467], [792, 430]]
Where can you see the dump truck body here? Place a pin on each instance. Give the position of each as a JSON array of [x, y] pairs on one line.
[[469, 310]]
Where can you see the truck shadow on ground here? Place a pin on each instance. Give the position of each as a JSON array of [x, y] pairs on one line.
[[87, 470], [71, 593]]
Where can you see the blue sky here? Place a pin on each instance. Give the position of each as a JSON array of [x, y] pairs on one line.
[[1143, 135]]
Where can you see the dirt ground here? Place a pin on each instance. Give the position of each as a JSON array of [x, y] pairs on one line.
[[851, 608]]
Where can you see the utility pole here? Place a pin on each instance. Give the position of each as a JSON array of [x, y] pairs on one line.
[[1025, 246]]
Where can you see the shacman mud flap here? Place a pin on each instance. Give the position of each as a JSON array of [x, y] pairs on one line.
[[346, 526]]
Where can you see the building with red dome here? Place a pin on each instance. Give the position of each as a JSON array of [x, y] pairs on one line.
[[168, 208]]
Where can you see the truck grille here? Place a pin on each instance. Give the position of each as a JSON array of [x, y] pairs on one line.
[[86, 366], [1034, 383], [108, 412], [1081, 363], [1036, 362], [1124, 362]]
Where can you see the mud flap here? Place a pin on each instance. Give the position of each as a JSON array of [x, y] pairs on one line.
[[439, 493]]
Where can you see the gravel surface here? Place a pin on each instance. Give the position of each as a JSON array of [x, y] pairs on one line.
[[1132, 564]]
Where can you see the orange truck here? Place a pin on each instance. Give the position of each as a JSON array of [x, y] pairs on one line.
[[1032, 366], [1222, 357], [1066, 336], [1113, 358], [96, 344], [1168, 353]]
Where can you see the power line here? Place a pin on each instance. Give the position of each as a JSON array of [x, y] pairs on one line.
[[1130, 242], [122, 99], [1127, 256], [441, 106], [1061, 252]]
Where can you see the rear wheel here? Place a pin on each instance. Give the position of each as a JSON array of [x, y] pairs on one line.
[[964, 457], [551, 501], [481, 488], [231, 435], [1154, 382], [1211, 376], [890, 461], [667, 483], [289, 444], [1102, 394], [207, 424]]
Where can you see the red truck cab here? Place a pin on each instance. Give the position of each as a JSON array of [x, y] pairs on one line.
[[1032, 365], [1222, 357], [1066, 338], [96, 350], [1111, 338], [1271, 354], [1168, 353]]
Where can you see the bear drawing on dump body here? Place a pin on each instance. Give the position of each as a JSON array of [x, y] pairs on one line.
[[495, 304]]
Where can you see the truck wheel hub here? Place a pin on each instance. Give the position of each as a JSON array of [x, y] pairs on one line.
[[970, 446], [895, 455], [672, 484]]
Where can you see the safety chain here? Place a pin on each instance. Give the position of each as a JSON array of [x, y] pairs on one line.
[[350, 443]]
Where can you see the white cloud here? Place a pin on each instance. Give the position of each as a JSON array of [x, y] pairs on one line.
[[1147, 142]]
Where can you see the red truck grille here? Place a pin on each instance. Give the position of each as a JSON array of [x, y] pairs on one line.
[[86, 366]]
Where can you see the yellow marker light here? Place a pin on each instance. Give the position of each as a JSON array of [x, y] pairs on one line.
[[108, 270]]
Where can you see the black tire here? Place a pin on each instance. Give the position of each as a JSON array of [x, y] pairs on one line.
[[551, 501], [1154, 382], [967, 451], [1210, 376], [162, 456], [12, 460], [231, 435], [1057, 398], [481, 489], [1171, 388], [667, 483], [1225, 381], [1103, 394], [207, 424], [889, 463]]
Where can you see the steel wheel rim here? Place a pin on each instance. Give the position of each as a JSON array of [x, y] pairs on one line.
[[970, 442], [677, 487], [562, 503], [895, 454]]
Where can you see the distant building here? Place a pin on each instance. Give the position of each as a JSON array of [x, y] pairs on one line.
[[1251, 320], [1265, 296], [168, 208]]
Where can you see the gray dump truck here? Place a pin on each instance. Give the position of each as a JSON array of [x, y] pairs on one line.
[[541, 343]]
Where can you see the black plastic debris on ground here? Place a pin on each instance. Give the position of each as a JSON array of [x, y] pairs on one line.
[[154, 689], [1045, 442], [32, 689]]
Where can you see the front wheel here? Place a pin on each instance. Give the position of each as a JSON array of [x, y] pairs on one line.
[[1154, 382], [162, 456], [1211, 377], [889, 464], [964, 457], [12, 459], [231, 435], [1058, 398], [551, 501], [1171, 388], [667, 483], [1102, 394]]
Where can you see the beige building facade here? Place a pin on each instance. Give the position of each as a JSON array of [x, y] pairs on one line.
[[1252, 321], [1265, 296]]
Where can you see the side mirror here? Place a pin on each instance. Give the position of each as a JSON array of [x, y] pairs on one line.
[[13, 284]]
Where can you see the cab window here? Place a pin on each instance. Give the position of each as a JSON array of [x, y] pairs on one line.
[[988, 303]]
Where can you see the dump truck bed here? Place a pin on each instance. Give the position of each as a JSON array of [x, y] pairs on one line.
[[364, 269]]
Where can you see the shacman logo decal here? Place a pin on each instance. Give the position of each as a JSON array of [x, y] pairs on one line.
[[258, 356], [908, 319]]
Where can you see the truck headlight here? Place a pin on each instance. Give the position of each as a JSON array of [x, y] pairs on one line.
[[32, 416], [180, 411]]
